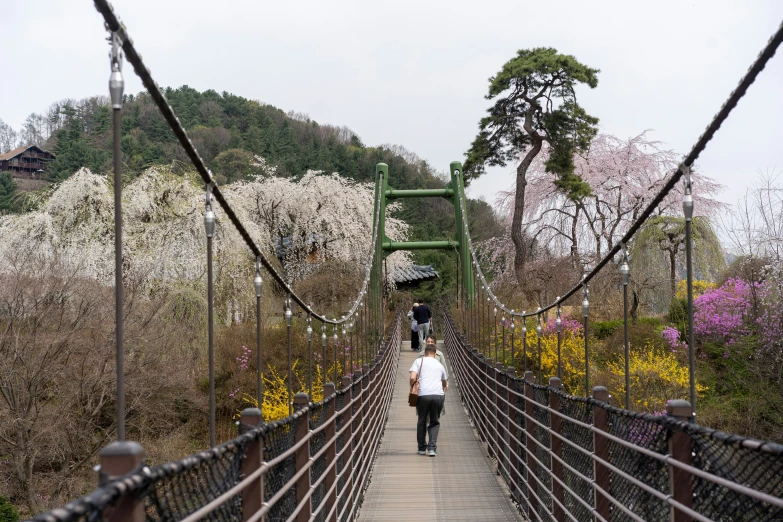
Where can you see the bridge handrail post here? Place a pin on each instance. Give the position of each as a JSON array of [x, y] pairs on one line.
[[680, 448], [489, 406], [478, 398], [514, 446], [302, 457], [601, 449], [117, 460], [556, 447], [357, 429], [530, 430], [330, 460], [370, 392], [345, 472], [500, 418], [253, 495]]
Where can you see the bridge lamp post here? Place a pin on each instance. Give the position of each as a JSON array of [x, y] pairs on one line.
[[539, 333], [489, 327], [310, 355], [360, 331], [288, 320], [209, 227], [350, 345], [335, 342], [585, 314], [524, 343], [344, 345], [687, 208], [116, 89], [258, 284], [625, 271], [481, 318], [559, 330], [513, 327], [495, 321], [323, 351], [503, 335]]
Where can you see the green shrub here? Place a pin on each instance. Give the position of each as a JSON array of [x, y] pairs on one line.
[[604, 329], [8, 513], [678, 311]]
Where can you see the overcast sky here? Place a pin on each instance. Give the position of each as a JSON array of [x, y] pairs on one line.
[[415, 72]]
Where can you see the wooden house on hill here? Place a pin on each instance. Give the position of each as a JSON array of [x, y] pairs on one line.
[[26, 162]]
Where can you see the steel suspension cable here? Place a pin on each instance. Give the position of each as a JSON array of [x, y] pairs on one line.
[[117, 28], [683, 168]]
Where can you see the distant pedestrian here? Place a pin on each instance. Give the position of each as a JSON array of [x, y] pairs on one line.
[[422, 314], [441, 359], [433, 383], [414, 328], [438, 354]]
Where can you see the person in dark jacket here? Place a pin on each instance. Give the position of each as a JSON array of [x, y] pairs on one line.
[[422, 315], [414, 328]]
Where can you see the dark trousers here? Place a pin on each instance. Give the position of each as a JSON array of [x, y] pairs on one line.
[[428, 408], [414, 340]]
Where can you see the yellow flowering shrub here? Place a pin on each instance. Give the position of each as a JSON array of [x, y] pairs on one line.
[[656, 376], [699, 287], [571, 353], [276, 398]]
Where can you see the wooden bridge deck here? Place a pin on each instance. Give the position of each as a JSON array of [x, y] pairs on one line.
[[458, 484]]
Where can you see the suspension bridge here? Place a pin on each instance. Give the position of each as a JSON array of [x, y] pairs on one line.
[[513, 447]]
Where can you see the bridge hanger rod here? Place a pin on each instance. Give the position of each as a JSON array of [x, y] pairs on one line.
[[682, 169], [114, 25]]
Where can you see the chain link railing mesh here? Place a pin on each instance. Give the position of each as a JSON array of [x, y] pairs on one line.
[[318, 415], [340, 465], [723, 455], [745, 462], [278, 439], [543, 455], [195, 481], [521, 457], [650, 471], [178, 489], [580, 461], [503, 428]]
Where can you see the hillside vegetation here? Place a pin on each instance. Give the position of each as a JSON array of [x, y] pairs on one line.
[[229, 131]]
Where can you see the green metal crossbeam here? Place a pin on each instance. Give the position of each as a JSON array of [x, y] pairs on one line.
[[421, 193], [392, 246], [455, 194]]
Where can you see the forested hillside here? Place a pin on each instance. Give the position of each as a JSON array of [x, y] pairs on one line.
[[229, 131]]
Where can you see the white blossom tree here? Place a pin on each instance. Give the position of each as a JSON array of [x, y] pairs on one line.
[[164, 237], [623, 176]]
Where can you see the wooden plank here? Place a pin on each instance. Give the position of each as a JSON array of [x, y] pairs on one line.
[[458, 484]]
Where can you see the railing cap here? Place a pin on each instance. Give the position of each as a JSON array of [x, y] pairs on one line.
[[123, 448], [600, 393], [680, 409]]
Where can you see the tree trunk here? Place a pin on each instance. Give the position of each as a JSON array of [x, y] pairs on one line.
[[634, 306], [23, 462], [574, 241], [673, 271], [517, 233]]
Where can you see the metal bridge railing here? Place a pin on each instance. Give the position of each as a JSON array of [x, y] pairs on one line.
[[311, 466], [578, 458]]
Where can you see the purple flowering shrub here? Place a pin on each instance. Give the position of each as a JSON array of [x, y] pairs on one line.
[[570, 326], [671, 336], [723, 314]]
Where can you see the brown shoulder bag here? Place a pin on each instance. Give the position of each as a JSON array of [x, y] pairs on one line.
[[413, 396]]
